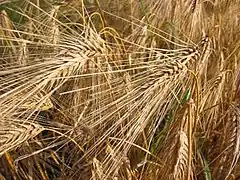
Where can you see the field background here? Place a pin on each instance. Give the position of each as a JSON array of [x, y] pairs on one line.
[[119, 89]]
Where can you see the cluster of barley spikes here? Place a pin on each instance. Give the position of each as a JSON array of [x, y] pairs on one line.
[[121, 90]]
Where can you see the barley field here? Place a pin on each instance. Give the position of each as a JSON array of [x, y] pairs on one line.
[[119, 90]]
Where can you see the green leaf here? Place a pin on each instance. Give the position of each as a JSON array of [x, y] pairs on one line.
[[206, 169], [186, 97]]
